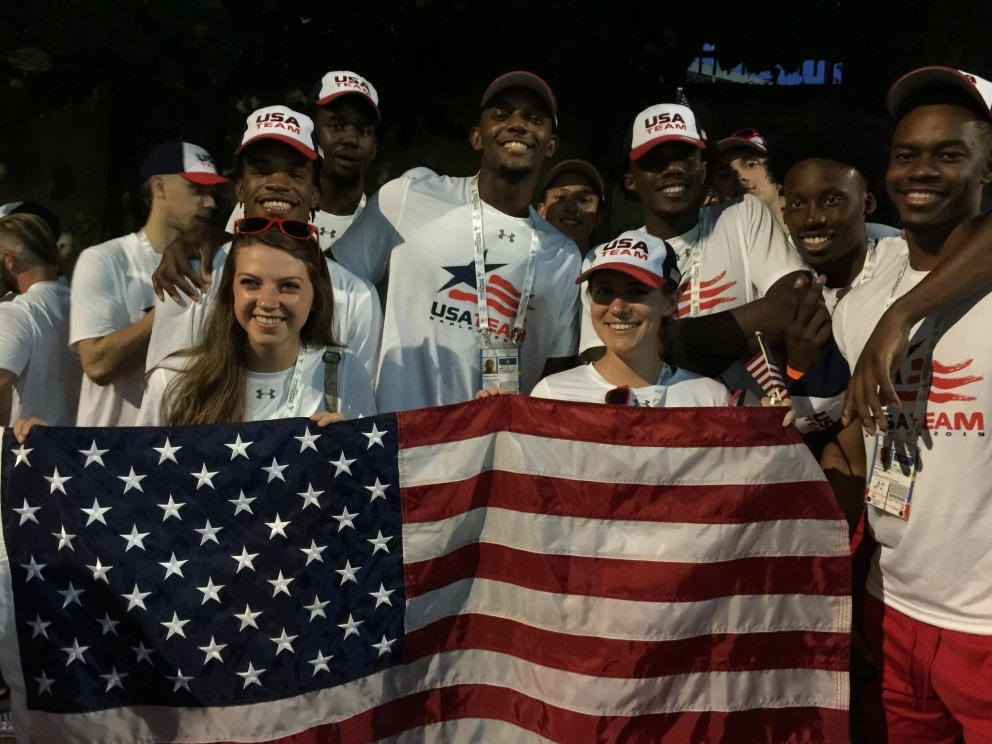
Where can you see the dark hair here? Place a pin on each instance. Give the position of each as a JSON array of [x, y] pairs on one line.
[[239, 163], [859, 142]]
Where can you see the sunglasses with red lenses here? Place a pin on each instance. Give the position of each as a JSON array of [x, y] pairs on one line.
[[290, 228]]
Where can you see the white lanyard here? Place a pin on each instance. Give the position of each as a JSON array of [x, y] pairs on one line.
[[480, 271], [868, 270], [292, 399], [694, 287]]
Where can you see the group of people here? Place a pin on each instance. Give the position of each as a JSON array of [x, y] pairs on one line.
[[439, 289]]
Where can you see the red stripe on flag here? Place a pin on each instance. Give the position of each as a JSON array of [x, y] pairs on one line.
[[644, 581], [703, 504], [727, 652], [771, 726]]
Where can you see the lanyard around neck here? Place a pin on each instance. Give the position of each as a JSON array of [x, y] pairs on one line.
[[480, 271]]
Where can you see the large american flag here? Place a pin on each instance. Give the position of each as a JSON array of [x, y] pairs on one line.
[[511, 569]]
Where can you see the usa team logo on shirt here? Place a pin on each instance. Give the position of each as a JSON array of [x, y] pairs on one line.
[[950, 384], [460, 306]]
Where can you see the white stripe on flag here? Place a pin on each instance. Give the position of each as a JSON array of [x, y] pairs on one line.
[[468, 729]]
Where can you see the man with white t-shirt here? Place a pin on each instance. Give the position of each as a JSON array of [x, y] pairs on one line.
[[276, 176], [474, 273], [738, 268], [927, 614], [39, 375], [112, 297]]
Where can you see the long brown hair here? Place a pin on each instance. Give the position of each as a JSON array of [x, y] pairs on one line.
[[210, 388]]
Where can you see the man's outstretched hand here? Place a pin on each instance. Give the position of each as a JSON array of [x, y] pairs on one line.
[[175, 274], [871, 385]]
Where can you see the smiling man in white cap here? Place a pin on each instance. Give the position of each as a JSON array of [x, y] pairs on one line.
[[474, 273], [277, 172], [112, 297], [927, 611], [738, 269]]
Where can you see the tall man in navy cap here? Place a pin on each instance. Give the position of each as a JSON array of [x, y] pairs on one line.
[[474, 274], [927, 613], [112, 297]]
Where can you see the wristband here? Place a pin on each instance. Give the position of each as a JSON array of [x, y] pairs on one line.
[[794, 374]]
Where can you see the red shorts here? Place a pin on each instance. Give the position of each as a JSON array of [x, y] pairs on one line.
[[933, 685]]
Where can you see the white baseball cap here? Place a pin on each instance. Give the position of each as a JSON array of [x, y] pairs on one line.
[[664, 122], [933, 76], [339, 83], [282, 124], [649, 260]]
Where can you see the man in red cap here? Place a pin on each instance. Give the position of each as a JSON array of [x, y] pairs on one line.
[[474, 273], [112, 297], [927, 612]]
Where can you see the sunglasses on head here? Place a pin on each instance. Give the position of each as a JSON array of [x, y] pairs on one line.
[[619, 396], [290, 228]]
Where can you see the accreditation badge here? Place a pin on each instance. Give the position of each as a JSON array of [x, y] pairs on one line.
[[892, 476], [501, 368]]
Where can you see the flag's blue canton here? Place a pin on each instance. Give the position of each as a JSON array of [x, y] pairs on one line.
[[203, 565]]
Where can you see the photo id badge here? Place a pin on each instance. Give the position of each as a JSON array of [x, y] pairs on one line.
[[893, 475], [501, 368]]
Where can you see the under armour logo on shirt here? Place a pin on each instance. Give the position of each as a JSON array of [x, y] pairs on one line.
[[330, 233], [503, 234], [259, 393]]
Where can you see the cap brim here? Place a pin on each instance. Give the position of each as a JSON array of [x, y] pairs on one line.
[[926, 77], [644, 277], [576, 166], [308, 152], [334, 96], [734, 143], [205, 179], [641, 150]]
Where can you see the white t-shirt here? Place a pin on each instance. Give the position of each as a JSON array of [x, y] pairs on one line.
[[357, 320], [111, 289], [584, 384], [329, 226], [888, 251], [268, 392], [935, 566], [34, 346], [418, 229]]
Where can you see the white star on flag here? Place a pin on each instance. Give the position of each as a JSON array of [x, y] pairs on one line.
[[247, 618], [242, 503], [382, 596], [278, 527], [57, 481], [207, 533], [135, 539], [95, 513], [378, 490], [251, 676], [281, 585], [38, 627], [347, 573], [210, 591], [100, 571], [317, 607], [310, 496], [384, 646], [27, 513], [75, 652], [245, 559], [375, 436], [180, 680], [379, 543], [71, 595], [212, 650], [114, 678], [44, 684], [93, 454], [22, 453], [307, 440], [345, 519], [108, 625], [132, 480], [320, 662], [204, 477], [173, 567], [167, 452], [350, 627], [65, 539], [34, 569], [275, 471], [341, 465], [175, 626], [284, 642], [136, 598], [171, 508], [142, 653], [239, 448], [313, 552]]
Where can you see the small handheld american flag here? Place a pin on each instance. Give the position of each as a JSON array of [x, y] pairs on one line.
[[762, 369]]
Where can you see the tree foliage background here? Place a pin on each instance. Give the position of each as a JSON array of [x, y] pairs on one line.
[[155, 69]]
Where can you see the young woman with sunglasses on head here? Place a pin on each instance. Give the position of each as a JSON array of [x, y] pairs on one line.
[[633, 285], [262, 354]]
